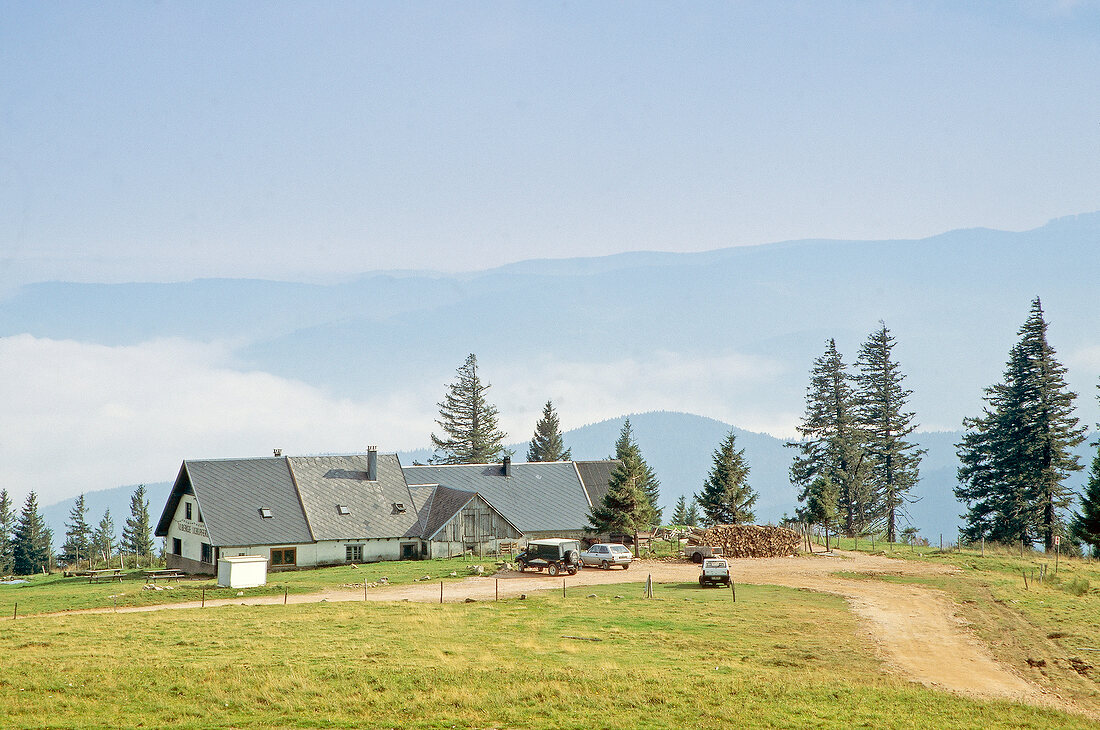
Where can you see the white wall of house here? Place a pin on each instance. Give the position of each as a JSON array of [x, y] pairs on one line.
[[189, 530], [329, 552]]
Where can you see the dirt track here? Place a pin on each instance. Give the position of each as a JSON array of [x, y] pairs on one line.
[[915, 629]]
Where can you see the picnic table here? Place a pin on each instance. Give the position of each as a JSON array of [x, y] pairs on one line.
[[166, 573], [94, 576]]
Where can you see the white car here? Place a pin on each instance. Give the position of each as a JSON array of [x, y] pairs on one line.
[[606, 554], [715, 571]]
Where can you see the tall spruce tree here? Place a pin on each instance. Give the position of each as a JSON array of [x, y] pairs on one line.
[[137, 535], [547, 444], [1086, 523], [726, 498], [31, 545], [7, 534], [78, 534], [693, 516], [1017, 454], [831, 441], [892, 462], [628, 506], [469, 422], [627, 451], [103, 540]]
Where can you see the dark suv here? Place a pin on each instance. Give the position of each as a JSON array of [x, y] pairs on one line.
[[555, 555]]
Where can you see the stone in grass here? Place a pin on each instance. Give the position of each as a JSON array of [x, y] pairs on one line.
[[470, 600], [591, 595], [454, 574]]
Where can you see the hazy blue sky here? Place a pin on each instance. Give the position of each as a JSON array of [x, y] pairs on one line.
[[166, 141]]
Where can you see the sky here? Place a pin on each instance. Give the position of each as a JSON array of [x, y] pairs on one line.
[[307, 141], [316, 141]]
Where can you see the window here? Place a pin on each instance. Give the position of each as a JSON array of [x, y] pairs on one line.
[[177, 546], [266, 513], [353, 553], [342, 509], [398, 508], [187, 509], [200, 515], [207, 553], [283, 556]]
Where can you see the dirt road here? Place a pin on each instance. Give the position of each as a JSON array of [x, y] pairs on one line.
[[916, 629]]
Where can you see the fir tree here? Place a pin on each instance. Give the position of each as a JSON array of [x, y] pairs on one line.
[[892, 462], [627, 451], [1017, 454], [137, 535], [693, 516], [469, 422], [830, 445], [103, 541], [628, 506], [7, 534], [680, 512], [1086, 523], [78, 534], [726, 498], [547, 443], [31, 545], [822, 497]]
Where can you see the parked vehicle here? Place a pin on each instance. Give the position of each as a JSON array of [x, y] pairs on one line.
[[696, 553], [715, 571], [606, 554], [555, 555]]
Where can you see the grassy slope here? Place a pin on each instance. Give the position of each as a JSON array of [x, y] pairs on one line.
[[1049, 631], [775, 658]]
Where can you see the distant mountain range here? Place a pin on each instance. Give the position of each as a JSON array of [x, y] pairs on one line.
[[679, 447]]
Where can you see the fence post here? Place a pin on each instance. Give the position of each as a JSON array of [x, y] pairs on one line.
[[441, 591], [497, 596], [15, 613], [733, 587], [563, 587], [203, 598]]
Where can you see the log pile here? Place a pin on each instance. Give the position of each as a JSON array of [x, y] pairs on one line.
[[749, 541]]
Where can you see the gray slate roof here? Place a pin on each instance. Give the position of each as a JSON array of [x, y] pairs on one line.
[[595, 476], [537, 497], [327, 481], [230, 493]]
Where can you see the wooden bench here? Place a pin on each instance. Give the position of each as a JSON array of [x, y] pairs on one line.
[[168, 574], [94, 576]]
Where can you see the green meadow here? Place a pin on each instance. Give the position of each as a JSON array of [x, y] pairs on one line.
[[688, 658]]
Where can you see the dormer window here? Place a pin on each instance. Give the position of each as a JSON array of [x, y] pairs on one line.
[[398, 507], [342, 509], [266, 513]]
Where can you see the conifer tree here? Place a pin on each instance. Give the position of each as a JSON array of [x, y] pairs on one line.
[[726, 498], [103, 540], [830, 445], [628, 506], [31, 545], [469, 422], [547, 444], [693, 516], [680, 512], [7, 534], [627, 451], [137, 535], [78, 534], [1017, 454], [892, 463], [1086, 523]]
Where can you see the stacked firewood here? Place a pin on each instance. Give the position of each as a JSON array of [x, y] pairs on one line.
[[749, 541]]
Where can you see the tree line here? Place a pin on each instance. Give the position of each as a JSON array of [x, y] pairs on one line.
[[26, 543], [856, 467], [470, 435]]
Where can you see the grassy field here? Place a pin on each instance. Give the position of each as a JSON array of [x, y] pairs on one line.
[[53, 593], [777, 657]]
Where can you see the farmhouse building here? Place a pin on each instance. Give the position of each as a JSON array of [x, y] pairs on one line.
[[325, 510]]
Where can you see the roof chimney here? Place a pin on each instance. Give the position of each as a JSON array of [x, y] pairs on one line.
[[507, 466], [372, 463]]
